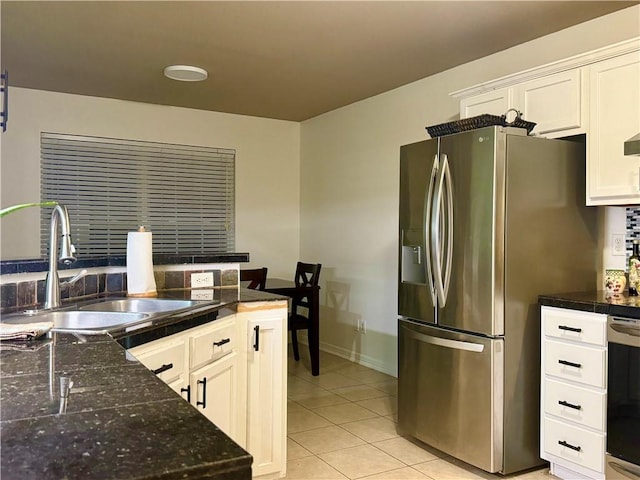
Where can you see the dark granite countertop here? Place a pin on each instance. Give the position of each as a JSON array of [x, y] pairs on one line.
[[595, 301], [119, 420]]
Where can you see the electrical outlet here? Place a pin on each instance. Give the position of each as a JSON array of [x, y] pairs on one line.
[[619, 247], [202, 280]]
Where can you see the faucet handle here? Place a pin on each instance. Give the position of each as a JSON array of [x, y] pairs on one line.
[[73, 280]]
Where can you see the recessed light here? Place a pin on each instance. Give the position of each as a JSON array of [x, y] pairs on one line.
[[185, 73]]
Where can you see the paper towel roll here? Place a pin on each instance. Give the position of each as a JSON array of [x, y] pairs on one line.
[[140, 280]]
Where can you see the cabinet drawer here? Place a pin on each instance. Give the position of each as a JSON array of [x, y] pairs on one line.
[[213, 343], [576, 326], [574, 444], [580, 405], [575, 362], [167, 361]]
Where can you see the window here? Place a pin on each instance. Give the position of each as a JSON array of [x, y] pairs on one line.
[[184, 194]]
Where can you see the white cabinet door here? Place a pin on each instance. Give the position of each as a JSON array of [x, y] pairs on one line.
[[495, 102], [553, 102], [612, 177], [266, 390], [214, 392]]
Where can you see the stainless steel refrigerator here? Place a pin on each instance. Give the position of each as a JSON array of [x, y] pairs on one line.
[[489, 219]]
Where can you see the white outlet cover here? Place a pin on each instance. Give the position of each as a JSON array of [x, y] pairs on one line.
[[202, 280]]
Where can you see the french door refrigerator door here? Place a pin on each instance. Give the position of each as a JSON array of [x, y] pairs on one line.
[[450, 392], [476, 160], [416, 294]]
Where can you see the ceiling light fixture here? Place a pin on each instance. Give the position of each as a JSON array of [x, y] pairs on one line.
[[185, 73]]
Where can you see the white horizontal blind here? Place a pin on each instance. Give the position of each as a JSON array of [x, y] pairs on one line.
[[184, 194]]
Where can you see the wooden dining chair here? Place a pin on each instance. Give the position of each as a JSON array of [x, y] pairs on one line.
[[257, 278], [304, 312]]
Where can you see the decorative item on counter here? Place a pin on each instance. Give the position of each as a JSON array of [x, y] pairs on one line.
[[634, 269], [614, 283], [140, 279]]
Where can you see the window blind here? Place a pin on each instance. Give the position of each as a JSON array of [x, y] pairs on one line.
[[184, 194]]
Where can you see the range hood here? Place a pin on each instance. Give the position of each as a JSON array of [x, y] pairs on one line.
[[632, 146]]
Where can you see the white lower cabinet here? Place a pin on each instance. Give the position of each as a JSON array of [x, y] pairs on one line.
[[233, 370], [573, 393]]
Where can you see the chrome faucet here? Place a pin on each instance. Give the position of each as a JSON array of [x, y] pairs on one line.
[[60, 216]]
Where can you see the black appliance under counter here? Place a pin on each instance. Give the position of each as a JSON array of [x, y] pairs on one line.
[[596, 302], [117, 421]]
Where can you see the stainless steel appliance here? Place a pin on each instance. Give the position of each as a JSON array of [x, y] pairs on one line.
[[623, 399], [489, 219]]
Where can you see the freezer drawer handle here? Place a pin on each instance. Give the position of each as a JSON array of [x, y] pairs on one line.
[[163, 368], [568, 445], [570, 405], [570, 364], [445, 342], [569, 329]]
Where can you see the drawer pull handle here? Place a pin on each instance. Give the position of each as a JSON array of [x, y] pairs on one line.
[[570, 364], [568, 445], [570, 405], [569, 329], [163, 368], [221, 342], [256, 345], [203, 382], [188, 390]]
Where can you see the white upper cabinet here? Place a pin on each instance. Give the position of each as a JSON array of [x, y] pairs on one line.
[[554, 102], [612, 177], [494, 102], [596, 93]]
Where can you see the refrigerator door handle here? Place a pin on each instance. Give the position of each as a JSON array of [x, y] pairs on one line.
[[449, 182], [438, 235], [428, 204], [447, 343]]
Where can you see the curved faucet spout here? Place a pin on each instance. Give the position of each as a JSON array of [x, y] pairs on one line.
[[59, 216]]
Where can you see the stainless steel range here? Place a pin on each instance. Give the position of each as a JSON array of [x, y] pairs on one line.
[[623, 399]]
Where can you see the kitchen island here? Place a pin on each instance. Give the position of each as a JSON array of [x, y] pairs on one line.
[[118, 419]]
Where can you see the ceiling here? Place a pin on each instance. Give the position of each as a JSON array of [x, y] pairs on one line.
[[289, 60]]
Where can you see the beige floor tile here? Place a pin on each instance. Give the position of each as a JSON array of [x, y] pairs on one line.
[[370, 377], [390, 387], [406, 473], [344, 413], [327, 439], [361, 461], [296, 451], [332, 380], [450, 469], [311, 468], [318, 397], [372, 430], [537, 474], [392, 418], [382, 405], [356, 393], [301, 419], [352, 369], [409, 452], [297, 385]]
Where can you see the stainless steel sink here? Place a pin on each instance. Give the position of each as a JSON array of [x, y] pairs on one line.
[[142, 305], [75, 321]]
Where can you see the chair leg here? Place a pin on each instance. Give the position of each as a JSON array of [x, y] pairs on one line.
[[294, 343], [314, 347]]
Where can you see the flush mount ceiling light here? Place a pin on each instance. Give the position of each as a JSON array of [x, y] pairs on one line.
[[185, 73]]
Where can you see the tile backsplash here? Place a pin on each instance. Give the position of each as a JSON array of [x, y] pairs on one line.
[[30, 294], [632, 227]]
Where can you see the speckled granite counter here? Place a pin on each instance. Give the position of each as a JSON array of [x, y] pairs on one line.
[[119, 420], [623, 306]]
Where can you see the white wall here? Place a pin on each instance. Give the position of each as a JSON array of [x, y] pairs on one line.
[[267, 164], [349, 183]]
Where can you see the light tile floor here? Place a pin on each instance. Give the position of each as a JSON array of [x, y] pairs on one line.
[[342, 425]]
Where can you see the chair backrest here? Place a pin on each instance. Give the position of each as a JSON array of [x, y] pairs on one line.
[[257, 278], [307, 275]]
